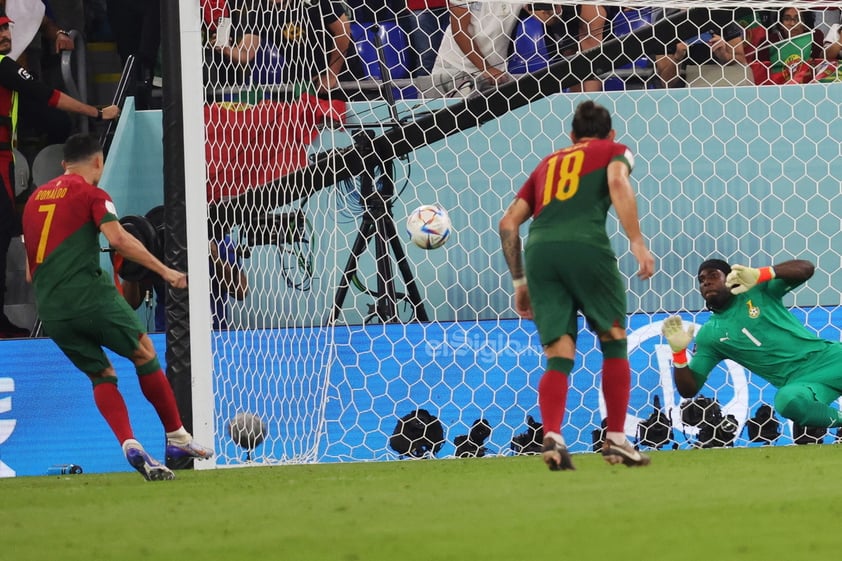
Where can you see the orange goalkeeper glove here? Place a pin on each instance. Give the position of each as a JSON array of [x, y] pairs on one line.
[[678, 339], [742, 279]]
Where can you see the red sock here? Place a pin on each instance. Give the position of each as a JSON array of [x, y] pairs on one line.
[[113, 409], [552, 399], [157, 390], [616, 384]]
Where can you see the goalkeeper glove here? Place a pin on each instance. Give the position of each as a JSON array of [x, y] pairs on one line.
[[742, 279], [678, 339]]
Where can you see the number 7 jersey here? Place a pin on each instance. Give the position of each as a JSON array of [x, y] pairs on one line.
[[61, 234], [568, 193]]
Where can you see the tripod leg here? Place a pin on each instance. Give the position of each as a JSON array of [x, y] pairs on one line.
[[360, 243], [386, 304], [418, 308]]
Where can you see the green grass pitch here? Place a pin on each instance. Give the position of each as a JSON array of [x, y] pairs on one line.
[[754, 504]]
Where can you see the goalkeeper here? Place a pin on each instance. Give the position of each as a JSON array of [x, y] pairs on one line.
[[751, 326]]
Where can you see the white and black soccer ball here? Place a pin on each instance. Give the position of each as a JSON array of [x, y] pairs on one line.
[[429, 226], [247, 430]]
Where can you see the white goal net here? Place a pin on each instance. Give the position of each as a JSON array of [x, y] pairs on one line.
[[346, 327]]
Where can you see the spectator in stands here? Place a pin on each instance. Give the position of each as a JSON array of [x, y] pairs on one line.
[[791, 36], [49, 31], [791, 22], [473, 50], [593, 20], [534, 39], [232, 31], [715, 57], [833, 42], [639, 74], [571, 29], [315, 54], [15, 83], [37, 38], [424, 22]]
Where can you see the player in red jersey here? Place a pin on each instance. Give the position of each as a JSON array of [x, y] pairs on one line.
[[571, 267], [81, 309]]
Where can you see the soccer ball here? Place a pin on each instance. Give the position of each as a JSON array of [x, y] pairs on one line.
[[247, 430], [428, 226]]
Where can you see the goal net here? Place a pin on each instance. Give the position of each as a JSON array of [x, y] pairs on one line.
[[350, 343]]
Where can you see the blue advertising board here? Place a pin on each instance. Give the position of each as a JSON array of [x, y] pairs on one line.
[[459, 371]]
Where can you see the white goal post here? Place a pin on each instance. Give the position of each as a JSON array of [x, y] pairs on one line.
[[346, 327]]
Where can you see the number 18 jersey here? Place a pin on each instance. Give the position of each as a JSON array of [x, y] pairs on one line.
[[568, 193]]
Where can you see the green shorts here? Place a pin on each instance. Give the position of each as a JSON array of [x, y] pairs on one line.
[[567, 277], [113, 325], [821, 374]]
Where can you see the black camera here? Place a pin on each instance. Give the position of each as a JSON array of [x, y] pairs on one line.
[[715, 429], [656, 430], [418, 434], [763, 427], [531, 441], [471, 445]]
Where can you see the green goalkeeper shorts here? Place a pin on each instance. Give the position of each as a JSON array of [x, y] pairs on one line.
[[567, 277], [113, 325]]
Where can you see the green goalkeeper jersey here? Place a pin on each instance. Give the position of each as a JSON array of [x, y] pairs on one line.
[[758, 332]]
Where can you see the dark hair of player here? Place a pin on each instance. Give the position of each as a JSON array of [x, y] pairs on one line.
[[591, 121], [81, 147]]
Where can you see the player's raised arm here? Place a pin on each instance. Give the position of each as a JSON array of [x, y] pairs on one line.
[[679, 339], [132, 249], [743, 278]]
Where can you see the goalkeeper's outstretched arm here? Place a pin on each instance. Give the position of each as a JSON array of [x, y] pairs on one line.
[[679, 339], [685, 382]]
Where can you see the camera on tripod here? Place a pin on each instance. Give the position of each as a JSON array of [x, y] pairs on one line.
[[274, 229], [715, 429]]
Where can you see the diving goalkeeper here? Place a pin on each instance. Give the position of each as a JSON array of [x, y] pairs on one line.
[[751, 326]]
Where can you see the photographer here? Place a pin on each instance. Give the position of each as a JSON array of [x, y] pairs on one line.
[[227, 278]]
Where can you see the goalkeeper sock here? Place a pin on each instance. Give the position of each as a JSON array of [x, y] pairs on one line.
[[616, 384], [552, 393], [157, 391], [113, 409]]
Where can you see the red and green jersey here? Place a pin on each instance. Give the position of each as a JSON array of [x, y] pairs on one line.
[[61, 234], [758, 332], [568, 193]]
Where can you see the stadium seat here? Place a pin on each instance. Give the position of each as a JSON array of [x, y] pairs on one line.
[[529, 52], [21, 172], [267, 65], [395, 54], [47, 164], [626, 21]]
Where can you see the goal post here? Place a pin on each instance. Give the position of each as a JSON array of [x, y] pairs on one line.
[[304, 194]]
